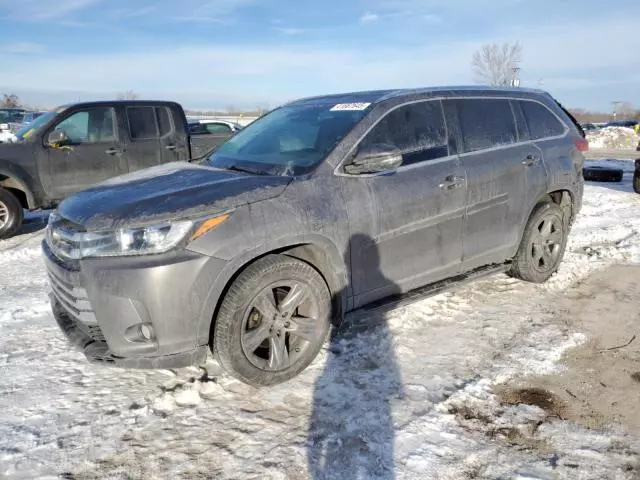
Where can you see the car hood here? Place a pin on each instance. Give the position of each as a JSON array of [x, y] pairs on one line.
[[176, 190]]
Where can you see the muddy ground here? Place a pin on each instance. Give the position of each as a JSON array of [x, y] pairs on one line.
[[600, 385]]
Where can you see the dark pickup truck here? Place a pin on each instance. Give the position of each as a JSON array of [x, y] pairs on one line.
[[75, 146]]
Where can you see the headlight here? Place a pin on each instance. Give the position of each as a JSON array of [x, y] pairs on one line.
[[70, 243], [135, 241]]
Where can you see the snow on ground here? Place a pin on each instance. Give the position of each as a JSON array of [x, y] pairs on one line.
[[612, 137], [403, 395]]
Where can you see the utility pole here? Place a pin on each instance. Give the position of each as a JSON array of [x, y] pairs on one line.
[[515, 81]]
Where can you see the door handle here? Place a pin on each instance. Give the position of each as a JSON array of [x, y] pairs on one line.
[[112, 151], [530, 160], [452, 182], [170, 147]]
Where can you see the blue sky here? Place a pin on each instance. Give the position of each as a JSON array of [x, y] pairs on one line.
[[247, 53]]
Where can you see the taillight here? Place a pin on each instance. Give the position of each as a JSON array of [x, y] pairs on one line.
[[582, 144]]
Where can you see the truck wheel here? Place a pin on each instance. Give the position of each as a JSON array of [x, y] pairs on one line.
[[11, 213], [273, 321], [636, 177], [542, 246]]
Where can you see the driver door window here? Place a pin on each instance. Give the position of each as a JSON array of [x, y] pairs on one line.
[[88, 126], [417, 130]]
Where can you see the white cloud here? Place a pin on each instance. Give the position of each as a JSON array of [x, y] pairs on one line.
[[291, 31], [22, 48], [254, 72], [42, 10], [369, 17]]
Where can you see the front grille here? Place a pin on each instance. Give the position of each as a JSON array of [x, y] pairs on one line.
[[73, 299]]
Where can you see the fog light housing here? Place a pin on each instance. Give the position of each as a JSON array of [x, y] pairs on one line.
[[140, 333], [146, 330]]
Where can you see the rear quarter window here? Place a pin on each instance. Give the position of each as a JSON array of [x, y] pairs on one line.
[[486, 123], [542, 123]]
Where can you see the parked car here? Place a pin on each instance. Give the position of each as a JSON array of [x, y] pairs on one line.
[[322, 206], [29, 117], [623, 123], [5, 134], [218, 131], [72, 147], [12, 117]]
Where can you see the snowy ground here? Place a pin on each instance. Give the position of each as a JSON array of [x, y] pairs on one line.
[[407, 395]]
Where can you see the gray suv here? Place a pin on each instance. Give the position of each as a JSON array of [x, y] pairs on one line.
[[323, 206]]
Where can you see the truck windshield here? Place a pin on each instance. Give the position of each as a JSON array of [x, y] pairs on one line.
[[34, 126], [290, 140]]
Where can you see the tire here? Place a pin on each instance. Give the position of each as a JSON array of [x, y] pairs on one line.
[[537, 260], [602, 174], [246, 338], [11, 214], [636, 176]]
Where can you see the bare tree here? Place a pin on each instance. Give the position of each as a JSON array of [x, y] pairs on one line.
[[128, 95], [10, 100], [495, 64]]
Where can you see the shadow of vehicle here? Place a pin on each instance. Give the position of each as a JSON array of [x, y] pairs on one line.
[[351, 432]]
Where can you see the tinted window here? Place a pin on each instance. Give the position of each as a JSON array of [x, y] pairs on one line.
[[142, 123], [217, 128], [417, 130], [542, 123], [88, 126], [164, 120], [486, 123]]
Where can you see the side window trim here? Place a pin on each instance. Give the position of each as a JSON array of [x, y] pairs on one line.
[[522, 126]]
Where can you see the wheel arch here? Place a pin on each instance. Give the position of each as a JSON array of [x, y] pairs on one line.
[[562, 197], [324, 258], [10, 182]]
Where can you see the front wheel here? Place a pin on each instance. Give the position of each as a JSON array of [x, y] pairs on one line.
[[11, 213], [542, 246], [273, 321]]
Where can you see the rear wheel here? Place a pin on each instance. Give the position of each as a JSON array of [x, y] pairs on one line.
[[273, 321], [11, 213], [542, 246]]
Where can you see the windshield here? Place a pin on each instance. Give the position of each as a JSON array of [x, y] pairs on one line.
[[291, 140], [11, 115], [33, 127]]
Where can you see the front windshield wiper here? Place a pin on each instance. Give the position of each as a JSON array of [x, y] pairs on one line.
[[236, 168]]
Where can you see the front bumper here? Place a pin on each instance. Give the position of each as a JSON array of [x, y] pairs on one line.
[[100, 305]]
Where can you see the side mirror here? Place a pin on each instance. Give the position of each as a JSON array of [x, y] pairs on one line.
[[57, 138], [375, 158]]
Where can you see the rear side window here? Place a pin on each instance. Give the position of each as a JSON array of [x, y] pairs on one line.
[[164, 120], [542, 123], [217, 128], [418, 130], [486, 123], [142, 123]]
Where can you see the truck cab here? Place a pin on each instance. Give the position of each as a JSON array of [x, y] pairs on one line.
[[75, 146]]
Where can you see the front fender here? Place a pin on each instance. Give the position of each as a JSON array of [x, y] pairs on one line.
[[336, 271]]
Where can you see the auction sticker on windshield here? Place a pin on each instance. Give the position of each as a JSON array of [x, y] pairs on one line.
[[350, 106]]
